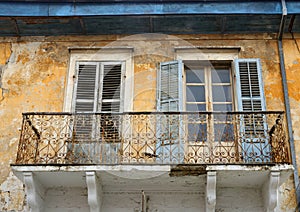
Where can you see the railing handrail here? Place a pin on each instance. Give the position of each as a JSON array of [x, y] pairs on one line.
[[154, 112]]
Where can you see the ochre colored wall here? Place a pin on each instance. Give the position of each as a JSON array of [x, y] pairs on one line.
[[33, 73], [292, 65]]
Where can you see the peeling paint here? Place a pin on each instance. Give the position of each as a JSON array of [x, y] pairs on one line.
[[183, 170], [12, 197]]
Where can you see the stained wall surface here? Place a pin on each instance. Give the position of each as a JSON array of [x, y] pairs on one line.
[[34, 70]]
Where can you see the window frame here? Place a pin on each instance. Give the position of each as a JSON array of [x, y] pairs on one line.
[[208, 86], [98, 87], [111, 55], [208, 89], [218, 54]]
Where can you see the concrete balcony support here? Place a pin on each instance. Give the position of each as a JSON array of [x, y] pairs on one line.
[[94, 187], [211, 196], [270, 191], [35, 192]]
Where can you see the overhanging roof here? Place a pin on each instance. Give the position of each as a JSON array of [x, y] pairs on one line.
[[83, 17]]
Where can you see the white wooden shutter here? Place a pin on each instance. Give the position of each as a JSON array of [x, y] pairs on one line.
[[85, 98], [86, 88], [169, 86], [111, 89], [249, 85]]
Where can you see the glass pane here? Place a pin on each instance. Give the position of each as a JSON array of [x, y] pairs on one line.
[[222, 107], [223, 132], [220, 75], [196, 107], [195, 76], [197, 132], [195, 93], [221, 93]]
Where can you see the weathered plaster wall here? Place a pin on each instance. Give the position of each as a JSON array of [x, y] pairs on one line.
[[33, 74], [157, 202], [239, 199], [66, 199], [32, 79], [292, 61]]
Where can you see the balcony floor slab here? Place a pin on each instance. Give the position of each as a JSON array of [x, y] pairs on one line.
[[124, 178]]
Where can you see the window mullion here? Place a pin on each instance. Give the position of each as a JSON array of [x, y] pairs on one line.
[[208, 93], [100, 86], [208, 88]]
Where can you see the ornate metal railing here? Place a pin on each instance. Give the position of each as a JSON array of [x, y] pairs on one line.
[[154, 138]]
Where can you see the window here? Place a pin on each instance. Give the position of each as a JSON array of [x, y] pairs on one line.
[[213, 88], [208, 87], [99, 86], [99, 61]]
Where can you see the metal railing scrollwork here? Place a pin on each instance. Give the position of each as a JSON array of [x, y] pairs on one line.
[[154, 138]]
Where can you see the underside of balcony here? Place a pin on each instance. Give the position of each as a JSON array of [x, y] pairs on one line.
[[156, 187]]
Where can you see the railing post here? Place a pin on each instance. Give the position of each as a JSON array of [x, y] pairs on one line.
[[210, 136], [236, 119]]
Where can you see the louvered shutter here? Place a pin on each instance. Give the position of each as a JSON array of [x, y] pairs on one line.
[[169, 87], [86, 87], [169, 99], [251, 98], [249, 85], [111, 87], [85, 99]]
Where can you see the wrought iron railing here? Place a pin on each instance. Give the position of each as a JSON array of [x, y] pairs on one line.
[[153, 138]]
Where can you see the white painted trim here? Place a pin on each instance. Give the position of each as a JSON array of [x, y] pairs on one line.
[[211, 194], [101, 55], [206, 54], [35, 192], [104, 48], [116, 168], [94, 191], [209, 48], [286, 168]]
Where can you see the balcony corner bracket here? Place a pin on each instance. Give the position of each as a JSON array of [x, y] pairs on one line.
[[271, 197], [35, 192], [211, 191], [94, 191]]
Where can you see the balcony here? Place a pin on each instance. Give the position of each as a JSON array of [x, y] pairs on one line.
[[153, 138], [142, 160]]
